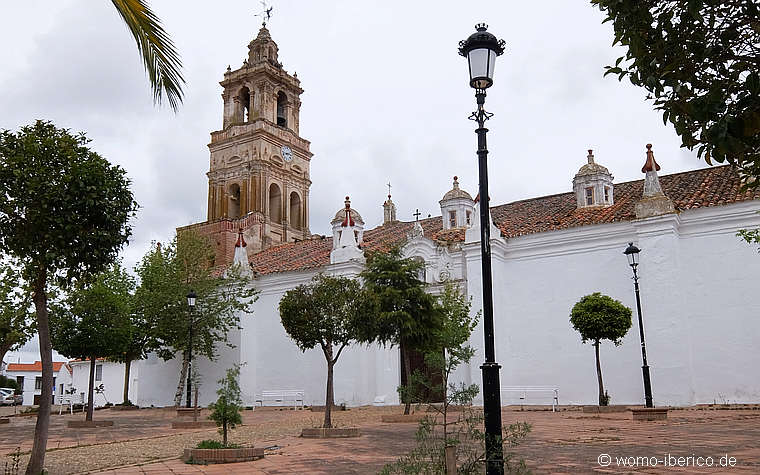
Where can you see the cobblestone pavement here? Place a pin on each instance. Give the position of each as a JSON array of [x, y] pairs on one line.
[[563, 442]]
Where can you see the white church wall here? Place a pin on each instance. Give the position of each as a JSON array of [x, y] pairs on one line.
[[698, 287], [111, 377], [155, 381]]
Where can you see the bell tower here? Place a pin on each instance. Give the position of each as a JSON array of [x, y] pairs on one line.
[[258, 178]]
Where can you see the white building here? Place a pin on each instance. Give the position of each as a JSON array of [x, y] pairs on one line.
[[29, 378], [698, 280], [107, 373]]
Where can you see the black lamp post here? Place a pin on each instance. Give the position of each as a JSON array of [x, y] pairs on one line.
[[191, 304], [481, 50], [632, 252]]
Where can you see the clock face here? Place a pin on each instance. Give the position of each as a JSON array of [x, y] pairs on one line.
[[287, 154]]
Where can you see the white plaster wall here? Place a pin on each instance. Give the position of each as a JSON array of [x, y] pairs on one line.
[[28, 392], [112, 381]]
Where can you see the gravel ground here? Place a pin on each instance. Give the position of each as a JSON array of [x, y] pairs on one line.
[[261, 428]]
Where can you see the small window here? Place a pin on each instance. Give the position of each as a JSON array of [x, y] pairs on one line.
[[38, 383], [99, 372], [452, 219], [20, 382], [606, 194], [60, 389], [589, 196], [469, 218]]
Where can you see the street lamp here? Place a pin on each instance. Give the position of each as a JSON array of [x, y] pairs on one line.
[[191, 305], [632, 253], [481, 50]]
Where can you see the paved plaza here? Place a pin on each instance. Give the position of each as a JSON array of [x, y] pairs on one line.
[[142, 442]]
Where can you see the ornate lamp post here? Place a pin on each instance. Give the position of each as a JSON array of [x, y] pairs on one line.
[[632, 252], [191, 305], [481, 50]]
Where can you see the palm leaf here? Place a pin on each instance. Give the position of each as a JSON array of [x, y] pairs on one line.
[[161, 60]]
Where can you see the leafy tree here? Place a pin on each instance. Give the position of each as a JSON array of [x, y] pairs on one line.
[[160, 58], [94, 322], [16, 319], [64, 213], [167, 274], [699, 62], [407, 316], [324, 312], [226, 410], [751, 236], [598, 317]]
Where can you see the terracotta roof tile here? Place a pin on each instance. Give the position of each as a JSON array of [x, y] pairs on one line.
[[35, 367], [693, 189]]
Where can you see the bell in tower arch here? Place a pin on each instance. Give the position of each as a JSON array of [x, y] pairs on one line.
[[282, 116]]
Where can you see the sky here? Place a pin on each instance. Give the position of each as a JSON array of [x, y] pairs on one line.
[[386, 99]]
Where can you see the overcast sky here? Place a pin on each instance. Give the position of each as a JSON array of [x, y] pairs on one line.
[[386, 98]]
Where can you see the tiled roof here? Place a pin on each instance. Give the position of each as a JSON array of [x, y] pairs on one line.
[[693, 189], [35, 367]]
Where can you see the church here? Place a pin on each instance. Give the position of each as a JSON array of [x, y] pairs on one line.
[[698, 280]]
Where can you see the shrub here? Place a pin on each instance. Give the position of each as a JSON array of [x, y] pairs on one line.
[[215, 444]]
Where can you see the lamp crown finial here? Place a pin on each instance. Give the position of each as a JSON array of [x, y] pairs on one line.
[[481, 27]]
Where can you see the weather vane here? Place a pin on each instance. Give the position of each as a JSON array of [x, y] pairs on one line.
[[266, 12]]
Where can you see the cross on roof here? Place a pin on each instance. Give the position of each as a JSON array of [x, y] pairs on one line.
[[417, 215], [389, 188]]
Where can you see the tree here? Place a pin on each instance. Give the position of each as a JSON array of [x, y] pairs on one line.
[[16, 319], [598, 317], [160, 58], [699, 62], [752, 236], [407, 316], [226, 410], [94, 321], [64, 213], [167, 274], [325, 313]]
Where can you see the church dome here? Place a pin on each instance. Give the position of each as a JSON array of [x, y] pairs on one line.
[[591, 168], [456, 192], [340, 216]]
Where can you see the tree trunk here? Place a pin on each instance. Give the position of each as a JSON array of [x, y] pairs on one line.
[[3, 350], [330, 393], [181, 385], [37, 456], [408, 370], [599, 375], [90, 391], [224, 433], [127, 370]]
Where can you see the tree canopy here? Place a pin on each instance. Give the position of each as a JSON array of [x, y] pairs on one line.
[[16, 318], [325, 313], [93, 321], [64, 214], [699, 62]]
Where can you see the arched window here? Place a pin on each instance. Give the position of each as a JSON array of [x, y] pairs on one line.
[[233, 210], [244, 104], [295, 210], [275, 203], [282, 101]]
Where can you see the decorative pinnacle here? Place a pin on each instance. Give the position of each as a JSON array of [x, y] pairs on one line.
[[240, 241], [650, 164], [348, 202], [481, 27], [590, 156]]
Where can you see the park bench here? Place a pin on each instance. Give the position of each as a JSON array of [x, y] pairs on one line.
[[523, 392], [295, 396]]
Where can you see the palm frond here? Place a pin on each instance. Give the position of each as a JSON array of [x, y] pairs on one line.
[[161, 60]]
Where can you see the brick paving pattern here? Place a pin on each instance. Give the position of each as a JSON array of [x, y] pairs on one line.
[[564, 442]]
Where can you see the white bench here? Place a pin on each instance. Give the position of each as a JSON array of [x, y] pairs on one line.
[[295, 396], [69, 400], [523, 391]]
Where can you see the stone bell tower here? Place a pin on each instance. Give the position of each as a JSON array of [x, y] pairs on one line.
[[258, 177]]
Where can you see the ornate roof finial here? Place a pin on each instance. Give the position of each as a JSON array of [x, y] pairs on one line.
[[240, 241], [590, 156], [456, 182], [348, 220], [265, 14], [650, 164], [417, 214]]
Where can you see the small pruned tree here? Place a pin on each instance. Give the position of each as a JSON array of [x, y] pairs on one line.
[[598, 317], [226, 410], [325, 313], [93, 321], [406, 316]]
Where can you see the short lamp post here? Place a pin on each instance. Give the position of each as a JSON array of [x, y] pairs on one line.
[[481, 50], [632, 252], [191, 305]]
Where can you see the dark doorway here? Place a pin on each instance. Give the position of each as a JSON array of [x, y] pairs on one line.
[[417, 362]]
